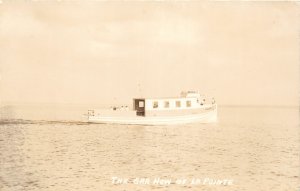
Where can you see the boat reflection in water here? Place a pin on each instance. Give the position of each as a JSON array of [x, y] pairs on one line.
[[190, 107]]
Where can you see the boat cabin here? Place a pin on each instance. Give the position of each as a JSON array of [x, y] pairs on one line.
[[188, 102]]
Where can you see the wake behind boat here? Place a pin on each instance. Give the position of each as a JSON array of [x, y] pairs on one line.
[[191, 107]]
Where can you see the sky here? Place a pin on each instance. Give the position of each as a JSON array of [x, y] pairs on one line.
[[92, 52]]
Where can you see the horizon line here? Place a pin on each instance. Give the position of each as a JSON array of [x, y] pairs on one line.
[[111, 104]]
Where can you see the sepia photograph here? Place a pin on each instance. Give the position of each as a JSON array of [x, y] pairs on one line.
[[149, 95]]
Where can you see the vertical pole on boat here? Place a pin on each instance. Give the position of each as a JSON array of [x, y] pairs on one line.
[[140, 91]]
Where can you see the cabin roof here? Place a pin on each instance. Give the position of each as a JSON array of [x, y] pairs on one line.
[[163, 98], [184, 95]]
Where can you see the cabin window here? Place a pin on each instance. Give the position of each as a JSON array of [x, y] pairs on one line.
[[167, 104], [155, 104], [188, 103], [141, 104], [178, 104]]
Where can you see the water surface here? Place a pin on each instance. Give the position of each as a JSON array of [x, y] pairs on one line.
[[256, 147]]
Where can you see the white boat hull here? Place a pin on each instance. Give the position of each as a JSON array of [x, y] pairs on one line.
[[206, 117]]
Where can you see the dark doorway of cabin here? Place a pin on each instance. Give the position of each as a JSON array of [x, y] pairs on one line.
[[139, 106]]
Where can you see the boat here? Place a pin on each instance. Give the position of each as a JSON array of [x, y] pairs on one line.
[[190, 107]]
